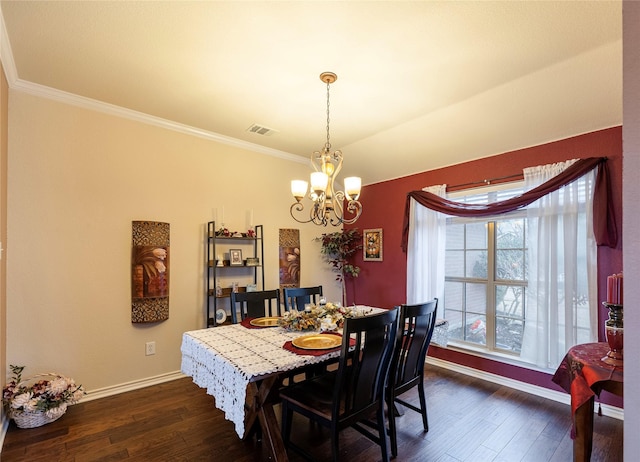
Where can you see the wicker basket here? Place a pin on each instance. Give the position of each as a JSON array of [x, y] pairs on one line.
[[26, 419], [33, 419]]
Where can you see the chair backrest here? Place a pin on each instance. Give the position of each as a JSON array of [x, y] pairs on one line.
[[297, 297], [255, 304], [363, 366], [415, 328]]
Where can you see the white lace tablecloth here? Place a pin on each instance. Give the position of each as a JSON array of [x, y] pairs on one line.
[[225, 359]]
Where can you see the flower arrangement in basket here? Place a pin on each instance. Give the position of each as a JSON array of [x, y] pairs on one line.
[[323, 317], [40, 399]]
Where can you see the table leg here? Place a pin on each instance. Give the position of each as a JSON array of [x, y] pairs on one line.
[[583, 424], [260, 405]]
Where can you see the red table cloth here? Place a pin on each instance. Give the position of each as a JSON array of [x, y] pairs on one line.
[[582, 372]]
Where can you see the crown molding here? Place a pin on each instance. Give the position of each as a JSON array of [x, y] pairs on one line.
[[118, 111], [6, 54], [17, 84]]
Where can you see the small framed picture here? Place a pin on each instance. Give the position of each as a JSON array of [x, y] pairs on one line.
[[372, 244], [235, 257]]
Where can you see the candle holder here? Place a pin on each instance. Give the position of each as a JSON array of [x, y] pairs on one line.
[[614, 332]]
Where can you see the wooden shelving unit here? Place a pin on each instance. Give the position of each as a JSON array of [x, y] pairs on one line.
[[252, 247]]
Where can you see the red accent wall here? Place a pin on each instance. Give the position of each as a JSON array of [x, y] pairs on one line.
[[383, 283]]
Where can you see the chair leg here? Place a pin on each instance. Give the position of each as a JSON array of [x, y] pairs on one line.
[[382, 433], [423, 407], [287, 417], [335, 440], [391, 415]]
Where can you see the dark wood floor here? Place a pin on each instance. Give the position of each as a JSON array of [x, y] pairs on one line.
[[470, 420]]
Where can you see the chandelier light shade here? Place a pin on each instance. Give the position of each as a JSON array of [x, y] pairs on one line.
[[327, 204]]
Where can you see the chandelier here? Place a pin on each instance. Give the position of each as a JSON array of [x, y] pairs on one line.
[[327, 204]]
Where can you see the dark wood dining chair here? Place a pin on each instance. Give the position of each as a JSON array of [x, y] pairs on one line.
[[415, 328], [297, 297], [351, 395], [255, 304]]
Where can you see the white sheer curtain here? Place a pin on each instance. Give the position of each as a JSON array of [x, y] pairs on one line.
[[561, 303], [426, 251]]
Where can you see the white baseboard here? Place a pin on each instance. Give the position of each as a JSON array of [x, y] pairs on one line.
[[565, 398], [130, 386]]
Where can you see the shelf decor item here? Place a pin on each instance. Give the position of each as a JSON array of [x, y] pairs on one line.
[[223, 232], [252, 261], [614, 326], [221, 316], [235, 257], [40, 399]]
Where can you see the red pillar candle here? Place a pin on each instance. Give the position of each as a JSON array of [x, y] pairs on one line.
[[619, 280], [609, 289], [614, 289]]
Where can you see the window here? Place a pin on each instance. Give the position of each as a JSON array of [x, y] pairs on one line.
[[522, 283], [485, 283], [486, 276]]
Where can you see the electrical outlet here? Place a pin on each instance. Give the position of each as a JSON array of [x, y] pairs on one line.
[[150, 348]]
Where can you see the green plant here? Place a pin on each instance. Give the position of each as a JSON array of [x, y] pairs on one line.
[[338, 249]]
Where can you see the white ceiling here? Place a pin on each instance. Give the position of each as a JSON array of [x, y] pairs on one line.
[[420, 84]]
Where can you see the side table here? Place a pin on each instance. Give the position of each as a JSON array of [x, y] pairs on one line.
[[583, 374]]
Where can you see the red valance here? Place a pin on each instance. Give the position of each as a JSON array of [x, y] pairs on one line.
[[604, 223]]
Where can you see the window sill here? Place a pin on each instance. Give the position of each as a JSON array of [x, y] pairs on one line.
[[495, 356]]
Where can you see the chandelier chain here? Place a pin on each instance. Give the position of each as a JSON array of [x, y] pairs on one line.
[[328, 143]]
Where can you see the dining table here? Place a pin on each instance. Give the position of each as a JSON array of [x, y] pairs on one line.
[[242, 366]]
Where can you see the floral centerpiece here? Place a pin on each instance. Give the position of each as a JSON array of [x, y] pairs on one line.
[[324, 317], [40, 399]]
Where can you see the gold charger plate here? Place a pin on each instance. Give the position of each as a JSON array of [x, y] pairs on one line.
[[269, 321], [317, 342]]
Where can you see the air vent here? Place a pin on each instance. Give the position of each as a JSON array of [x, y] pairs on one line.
[[261, 130]]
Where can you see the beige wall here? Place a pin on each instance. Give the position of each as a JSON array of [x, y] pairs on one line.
[[3, 220], [78, 178]]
